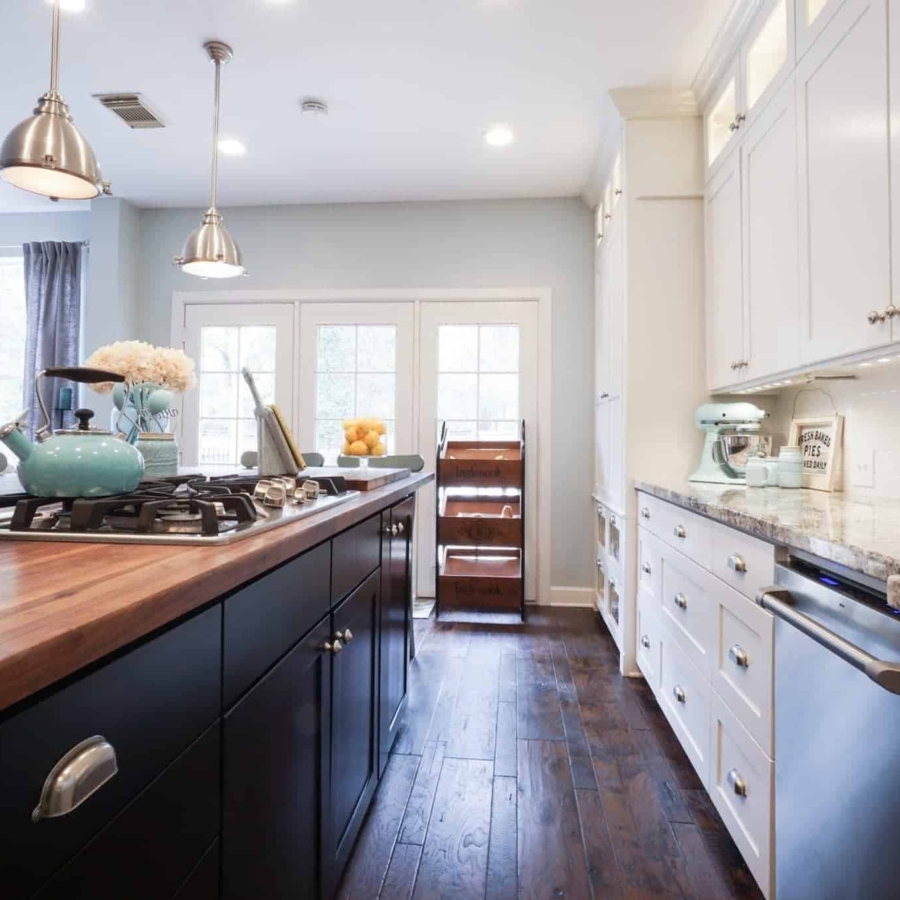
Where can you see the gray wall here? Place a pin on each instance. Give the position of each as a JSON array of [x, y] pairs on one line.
[[476, 244]]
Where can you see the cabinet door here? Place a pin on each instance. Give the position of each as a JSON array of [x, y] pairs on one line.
[[601, 326], [767, 55], [770, 261], [724, 276], [276, 778], [844, 186], [616, 443], [616, 306], [395, 623], [601, 424], [720, 122], [353, 719], [811, 18]]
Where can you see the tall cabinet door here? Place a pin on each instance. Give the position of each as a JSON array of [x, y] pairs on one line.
[[724, 287], [277, 758], [771, 285], [354, 764], [844, 186], [395, 622]]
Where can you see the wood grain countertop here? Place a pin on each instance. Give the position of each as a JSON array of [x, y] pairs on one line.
[[66, 605]]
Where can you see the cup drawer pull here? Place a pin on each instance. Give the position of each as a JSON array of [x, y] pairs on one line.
[[645, 642], [737, 564], [738, 655], [76, 777], [680, 601], [679, 531], [647, 568], [645, 512], [736, 783], [679, 694]]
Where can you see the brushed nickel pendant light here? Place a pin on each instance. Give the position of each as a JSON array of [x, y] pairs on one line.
[[46, 154], [210, 251]]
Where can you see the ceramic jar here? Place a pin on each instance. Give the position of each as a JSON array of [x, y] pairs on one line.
[[757, 474], [160, 452], [790, 467]]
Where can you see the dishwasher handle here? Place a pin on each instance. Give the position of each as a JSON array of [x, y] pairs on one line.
[[779, 602]]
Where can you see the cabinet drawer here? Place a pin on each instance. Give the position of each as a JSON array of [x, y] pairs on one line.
[[685, 697], [155, 842], [742, 789], [687, 602], [685, 531], [265, 619], [649, 563], [149, 703], [744, 562], [203, 882], [355, 555], [649, 640], [743, 663]]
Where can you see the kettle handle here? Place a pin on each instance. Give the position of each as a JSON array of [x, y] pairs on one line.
[[81, 374]]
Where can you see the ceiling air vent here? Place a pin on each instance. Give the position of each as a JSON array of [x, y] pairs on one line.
[[132, 109]]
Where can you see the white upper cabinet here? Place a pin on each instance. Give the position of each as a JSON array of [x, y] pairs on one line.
[[811, 18], [724, 277], [721, 120], [769, 208], [844, 184], [616, 308], [767, 55]]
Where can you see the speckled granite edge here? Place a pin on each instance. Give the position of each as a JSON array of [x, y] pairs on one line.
[[833, 527]]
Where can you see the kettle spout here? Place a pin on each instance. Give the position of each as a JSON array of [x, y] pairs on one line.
[[16, 441]]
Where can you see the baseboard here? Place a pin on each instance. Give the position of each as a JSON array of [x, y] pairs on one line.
[[573, 596]]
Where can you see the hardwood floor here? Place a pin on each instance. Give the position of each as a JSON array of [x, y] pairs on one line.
[[527, 768]]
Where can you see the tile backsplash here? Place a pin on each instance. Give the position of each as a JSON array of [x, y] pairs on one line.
[[870, 405]]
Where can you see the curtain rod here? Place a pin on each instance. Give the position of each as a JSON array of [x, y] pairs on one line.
[[19, 246]]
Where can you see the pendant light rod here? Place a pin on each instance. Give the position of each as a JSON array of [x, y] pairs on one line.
[[54, 51], [220, 54]]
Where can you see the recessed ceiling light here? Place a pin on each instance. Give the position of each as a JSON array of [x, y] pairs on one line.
[[499, 136], [231, 147], [865, 365], [884, 360], [70, 5]]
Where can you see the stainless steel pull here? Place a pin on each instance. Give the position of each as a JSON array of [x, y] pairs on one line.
[[334, 648], [739, 656], [645, 642], [736, 783], [779, 602], [77, 776], [645, 512], [679, 694], [876, 318], [734, 366], [647, 568], [679, 531], [680, 601], [890, 311], [736, 564]]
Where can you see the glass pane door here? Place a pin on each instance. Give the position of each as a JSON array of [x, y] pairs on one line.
[[767, 53], [721, 121]]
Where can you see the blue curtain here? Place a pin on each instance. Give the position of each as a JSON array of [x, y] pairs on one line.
[[53, 318]]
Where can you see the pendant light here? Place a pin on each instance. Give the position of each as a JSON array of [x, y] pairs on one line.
[[210, 251], [46, 154]]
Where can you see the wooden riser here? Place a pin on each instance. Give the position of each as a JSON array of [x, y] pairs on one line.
[[495, 473], [470, 521], [481, 581]]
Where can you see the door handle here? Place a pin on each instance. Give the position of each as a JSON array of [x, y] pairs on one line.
[[78, 775], [739, 656], [779, 602], [737, 784]]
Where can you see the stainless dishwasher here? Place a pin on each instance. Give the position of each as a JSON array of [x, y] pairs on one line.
[[837, 734]]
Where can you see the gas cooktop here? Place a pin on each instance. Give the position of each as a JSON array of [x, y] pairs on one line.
[[183, 509]]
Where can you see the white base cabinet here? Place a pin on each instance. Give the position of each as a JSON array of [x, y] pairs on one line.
[[706, 650]]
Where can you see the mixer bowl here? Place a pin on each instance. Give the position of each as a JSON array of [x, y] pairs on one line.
[[738, 448]]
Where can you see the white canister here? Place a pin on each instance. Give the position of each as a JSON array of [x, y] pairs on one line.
[[757, 474], [160, 452], [790, 467]]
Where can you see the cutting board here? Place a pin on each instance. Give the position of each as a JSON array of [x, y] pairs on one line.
[[360, 479]]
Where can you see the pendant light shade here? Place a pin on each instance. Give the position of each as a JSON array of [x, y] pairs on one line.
[[210, 251], [46, 154]]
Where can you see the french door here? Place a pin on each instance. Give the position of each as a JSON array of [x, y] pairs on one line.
[[356, 360], [478, 372], [217, 423]]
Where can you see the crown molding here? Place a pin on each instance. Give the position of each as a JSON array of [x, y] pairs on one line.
[[655, 102], [725, 44]]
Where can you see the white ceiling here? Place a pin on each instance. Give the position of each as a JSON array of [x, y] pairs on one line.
[[411, 84]]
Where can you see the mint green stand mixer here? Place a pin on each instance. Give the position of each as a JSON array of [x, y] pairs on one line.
[[732, 429]]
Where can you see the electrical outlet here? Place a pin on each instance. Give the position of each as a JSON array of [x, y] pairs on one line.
[[863, 474]]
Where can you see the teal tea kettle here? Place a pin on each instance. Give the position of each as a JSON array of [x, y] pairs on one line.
[[74, 462]]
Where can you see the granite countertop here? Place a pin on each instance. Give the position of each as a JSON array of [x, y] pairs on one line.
[[860, 533]]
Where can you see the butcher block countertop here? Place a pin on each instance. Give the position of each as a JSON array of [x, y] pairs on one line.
[[861, 533], [66, 605]]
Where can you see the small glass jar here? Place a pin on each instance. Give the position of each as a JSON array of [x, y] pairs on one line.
[[160, 452], [790, 467]]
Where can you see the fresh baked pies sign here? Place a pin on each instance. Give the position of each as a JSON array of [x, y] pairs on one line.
[[819, 440]]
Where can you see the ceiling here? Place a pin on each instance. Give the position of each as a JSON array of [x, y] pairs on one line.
[[411, 84]]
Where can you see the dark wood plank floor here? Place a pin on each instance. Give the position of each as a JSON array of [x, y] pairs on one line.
[[527, 768]]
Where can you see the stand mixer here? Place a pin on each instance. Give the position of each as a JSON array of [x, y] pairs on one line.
[[732, 434]]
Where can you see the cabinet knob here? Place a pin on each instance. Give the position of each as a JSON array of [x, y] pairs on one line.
[[618, 192], [737, 784], [604, 395], [607, 216], [734, 366], [334, 648], [647, 568], [737, 564], [346, 637], [679, 531], [645, 642], [681, 601], [645, 512], [876, 318], [399, 528], [890, 311], [679, 694], [599, 565], [739, 656], [77, 776]]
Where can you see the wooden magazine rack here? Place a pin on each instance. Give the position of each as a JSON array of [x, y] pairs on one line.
[[480, 533]]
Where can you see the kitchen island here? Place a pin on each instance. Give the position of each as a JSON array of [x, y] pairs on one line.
[[241, 701]]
